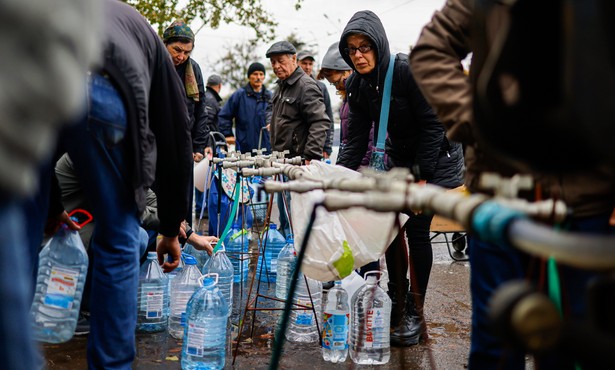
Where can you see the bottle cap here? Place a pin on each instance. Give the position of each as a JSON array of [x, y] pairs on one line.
[[207, 282], [152, 255], [273, 226], [189, 260]]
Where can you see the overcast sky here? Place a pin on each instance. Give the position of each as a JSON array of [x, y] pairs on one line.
[[402, 20]]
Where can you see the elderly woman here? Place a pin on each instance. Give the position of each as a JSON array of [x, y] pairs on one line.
[[416, 140]]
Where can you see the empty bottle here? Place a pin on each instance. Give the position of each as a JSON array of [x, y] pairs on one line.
[[182, 288], [336, 320], [237, 250], [302, 327], [274, 243], [369, 342], [204, 344], [62, 267], [287, 258], [153, 296], [220, 264]]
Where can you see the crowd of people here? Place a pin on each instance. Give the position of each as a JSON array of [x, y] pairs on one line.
[[128, 154]]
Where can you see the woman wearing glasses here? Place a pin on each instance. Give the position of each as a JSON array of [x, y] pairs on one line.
[[415, 140]]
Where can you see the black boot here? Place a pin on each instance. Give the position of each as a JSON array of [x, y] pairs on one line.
[[411, 328], [397, 293]]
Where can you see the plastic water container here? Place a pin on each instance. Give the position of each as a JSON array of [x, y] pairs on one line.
[[369, 342], [275, 242], [153, 297], [182, 288], [236, 249], [171, 275], [201, 256], [220, 264], [62, 267], [287, 258], [336, 321], [204, 344], [303, 328]]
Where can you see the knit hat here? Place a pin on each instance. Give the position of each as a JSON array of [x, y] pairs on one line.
[[180, 29], [256, 66]]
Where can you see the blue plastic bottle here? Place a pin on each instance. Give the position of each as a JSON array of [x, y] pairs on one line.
[[287, 260], [63, 264], [182, 289], [275, 242], [153, 297], [220, 264], [204, 344], [237, 248]]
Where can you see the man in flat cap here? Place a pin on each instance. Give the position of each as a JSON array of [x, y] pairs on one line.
[[306, 61], [299, 122]]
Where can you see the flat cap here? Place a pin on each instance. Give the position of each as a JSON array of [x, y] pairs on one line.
[[214, 80], [303, 54], [333, 59], [281, 47]]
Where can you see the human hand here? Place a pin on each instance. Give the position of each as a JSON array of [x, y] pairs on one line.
[[197, 157], [230, 140], [268, 127], [209, 153], [170, 246], [325, 155], [203, 243], [53, 223], [307, 162], [182, 230]]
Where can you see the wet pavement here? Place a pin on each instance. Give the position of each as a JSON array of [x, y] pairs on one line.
[[447, 310]]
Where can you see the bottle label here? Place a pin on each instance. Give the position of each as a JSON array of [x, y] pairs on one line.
[[153, 297], [375, 332], [62, 287], [335, 332], [183, 319], [304, 317], [196, 339]]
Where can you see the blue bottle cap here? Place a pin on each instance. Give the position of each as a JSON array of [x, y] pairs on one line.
[[208, 282], [189, 260], [273, 226], [290, 239], [152, 255]]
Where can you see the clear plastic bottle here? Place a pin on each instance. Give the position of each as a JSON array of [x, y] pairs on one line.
[[182, 288], [172, 274], [336, 320], [237, 248], [275, 242], [369, 342], [287, 258], [302, 327], [63, 264], [204, 344], [220, 264], [153, 297]]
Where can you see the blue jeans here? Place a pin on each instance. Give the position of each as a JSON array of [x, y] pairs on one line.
[[99, 152], [283, 197], [18, 350], [492, 265]]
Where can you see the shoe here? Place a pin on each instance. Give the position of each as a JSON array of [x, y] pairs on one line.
[[411, 327], [83, 324]]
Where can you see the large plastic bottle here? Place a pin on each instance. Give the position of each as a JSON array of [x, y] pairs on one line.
[[369, 342], [220, 264], [172, 274], [336, 321], [275, 242], [287, 259], [204, 345], [237, 248], [63, 264], [302, 327], [153, 296], [182, 288]]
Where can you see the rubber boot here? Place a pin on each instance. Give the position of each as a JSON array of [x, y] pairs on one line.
[[411, 327], [397, 293]]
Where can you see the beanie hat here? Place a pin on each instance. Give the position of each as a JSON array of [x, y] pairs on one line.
[[256, 66], [180, 29]]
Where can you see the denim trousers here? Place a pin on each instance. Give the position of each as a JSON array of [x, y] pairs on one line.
[[491, 266], [100, 154]]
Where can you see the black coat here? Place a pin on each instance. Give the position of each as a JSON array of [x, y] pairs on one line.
[[415, 136], [196, 108]]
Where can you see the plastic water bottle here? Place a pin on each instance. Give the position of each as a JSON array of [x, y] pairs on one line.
[[237, 248], [182, 288], [302, 326], [201, 256], [369, 342], [275, 242], [153, 296], [63, 264], [220, 264], [336, 320], [286, 263], [172, 274], [204, 345]]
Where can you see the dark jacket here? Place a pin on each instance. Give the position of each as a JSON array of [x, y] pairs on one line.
[[327, 99], [249, 111], [415, 136], [213, 106], [159, 133], [196, 108], [299, 122], [443, 43]]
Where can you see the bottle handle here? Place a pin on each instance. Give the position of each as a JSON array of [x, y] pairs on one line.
[[379, 272], [209, 274], [88, 215]]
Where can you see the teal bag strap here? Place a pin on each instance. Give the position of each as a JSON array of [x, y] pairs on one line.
[[386, 103]]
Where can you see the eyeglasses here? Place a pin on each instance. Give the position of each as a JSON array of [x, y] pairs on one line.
[[337, 83], [363, 49]]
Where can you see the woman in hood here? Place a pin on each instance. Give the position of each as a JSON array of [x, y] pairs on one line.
[[415, 140]]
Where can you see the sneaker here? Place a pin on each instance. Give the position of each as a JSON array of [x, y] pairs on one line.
[[83, 324]]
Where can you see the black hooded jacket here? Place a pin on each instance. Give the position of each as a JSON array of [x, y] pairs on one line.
[[415, 136]]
